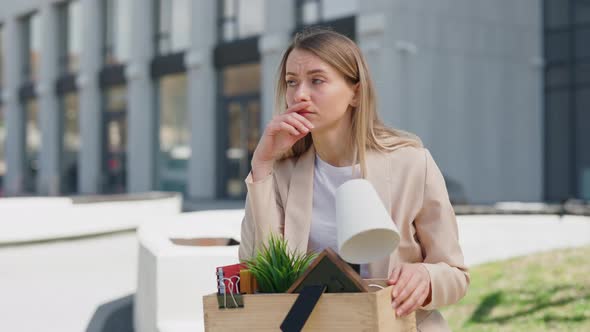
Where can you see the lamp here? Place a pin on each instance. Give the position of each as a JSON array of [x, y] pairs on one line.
[[366, 232]]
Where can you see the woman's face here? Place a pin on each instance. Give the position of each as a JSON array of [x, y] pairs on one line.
[[309, 79]]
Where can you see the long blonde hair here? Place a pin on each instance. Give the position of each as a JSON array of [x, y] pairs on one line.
[[368, 131]]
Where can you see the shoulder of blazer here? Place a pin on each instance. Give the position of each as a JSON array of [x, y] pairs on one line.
[[409, 163], [407, 158]]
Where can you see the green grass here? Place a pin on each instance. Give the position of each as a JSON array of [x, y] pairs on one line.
[[542, 292]]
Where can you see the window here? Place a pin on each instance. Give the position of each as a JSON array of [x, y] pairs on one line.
[[582, 42], [557, 154], [557, 46], [173, 22], [556, 13], [315, 11], [582, 98], [33, 144], [240, 119], [70, 36], [241, 80], [1, 59], [31, 46], [71, 142], [583, 102], [116, 31], [115, 139], [175, 150], [582, 11], [583, 72], [241, 19], [2, 143], [557, 76]]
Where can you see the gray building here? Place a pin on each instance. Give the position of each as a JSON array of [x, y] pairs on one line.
[[103, 96]]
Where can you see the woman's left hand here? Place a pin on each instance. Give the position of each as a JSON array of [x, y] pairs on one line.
[[411, 287]]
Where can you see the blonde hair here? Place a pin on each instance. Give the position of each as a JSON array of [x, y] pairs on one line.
[[368, 131]]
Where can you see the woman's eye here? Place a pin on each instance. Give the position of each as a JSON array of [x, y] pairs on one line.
[[317, 81], [291, 82]]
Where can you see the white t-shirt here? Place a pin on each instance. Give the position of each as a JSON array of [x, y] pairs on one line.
[[326, 180]]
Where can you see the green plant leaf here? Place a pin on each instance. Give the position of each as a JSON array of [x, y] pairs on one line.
[[275, 267]]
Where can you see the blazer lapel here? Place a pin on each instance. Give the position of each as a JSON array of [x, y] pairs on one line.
[[299, 202], [379, 175], [300, 199]]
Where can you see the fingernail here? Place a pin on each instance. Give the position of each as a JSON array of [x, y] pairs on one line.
[[399, 312]]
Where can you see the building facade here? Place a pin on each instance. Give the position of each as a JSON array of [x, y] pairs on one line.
[[106, 96]]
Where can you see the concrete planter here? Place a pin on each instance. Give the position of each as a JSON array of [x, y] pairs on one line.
[[34, 219], [177, 261]]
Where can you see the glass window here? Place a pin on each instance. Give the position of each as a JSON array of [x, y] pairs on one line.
[[557, 46], [243, 130], [583, 103], [71, 142], [582, 42], [116, 31], [556, 13], [33, 143], [582, 11], [1, 58], [173, 33], [241, 108], [241, 19], [31, 46], [583, 137], [558, 139], [2, 143], [175, 150], [116, 99], [70, 36], [583, 72], [115, 139], [557, 76], [241, 80], [314, 11]]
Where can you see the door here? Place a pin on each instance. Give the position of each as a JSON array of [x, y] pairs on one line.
[[241, 135], [115, 141]]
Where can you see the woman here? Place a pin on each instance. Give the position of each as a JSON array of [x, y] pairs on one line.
[[328, 132]]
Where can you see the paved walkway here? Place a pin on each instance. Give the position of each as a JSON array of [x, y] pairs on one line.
[[58, 286]]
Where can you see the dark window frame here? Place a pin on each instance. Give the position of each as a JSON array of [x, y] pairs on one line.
[[25, 45], [344, 25], [2, 67], [239, 51], [571, 28], [168, 64], [63, 25], [221, 137]]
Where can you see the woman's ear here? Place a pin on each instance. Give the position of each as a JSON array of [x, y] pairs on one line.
[[355, 98]]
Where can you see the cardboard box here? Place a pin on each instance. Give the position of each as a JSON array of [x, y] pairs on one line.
[[370, 311]]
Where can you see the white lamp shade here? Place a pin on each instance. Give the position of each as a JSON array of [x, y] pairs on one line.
[[366, 232]]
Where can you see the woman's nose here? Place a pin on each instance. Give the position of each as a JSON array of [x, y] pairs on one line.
[[302, 93]]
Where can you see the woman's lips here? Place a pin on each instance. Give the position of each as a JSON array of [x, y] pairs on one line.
[[304, 112]]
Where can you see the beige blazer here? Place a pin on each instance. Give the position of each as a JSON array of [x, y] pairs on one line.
[[413, 190]]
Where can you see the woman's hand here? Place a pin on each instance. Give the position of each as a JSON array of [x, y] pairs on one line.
[[278, 137], [411, 287]]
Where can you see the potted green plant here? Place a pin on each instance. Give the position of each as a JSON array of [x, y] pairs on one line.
[[275, 267]]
